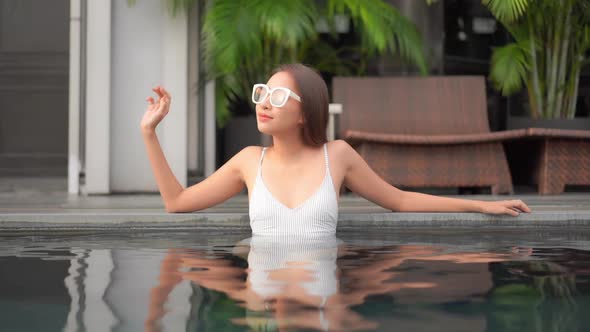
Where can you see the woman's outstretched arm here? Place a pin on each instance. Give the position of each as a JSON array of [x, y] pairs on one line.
[[361, 179], [226, 182]]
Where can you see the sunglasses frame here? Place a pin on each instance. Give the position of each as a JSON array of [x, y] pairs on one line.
[[269, 93]]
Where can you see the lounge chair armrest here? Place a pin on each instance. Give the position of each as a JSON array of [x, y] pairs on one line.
[[558, 133], [355, 136]]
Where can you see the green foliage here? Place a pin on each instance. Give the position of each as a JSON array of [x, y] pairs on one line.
[[507, 10], [382, 28], [243, 40], [510, 66], [552, 39]]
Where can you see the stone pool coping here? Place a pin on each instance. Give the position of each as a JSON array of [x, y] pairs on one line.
[[31, 222], [33, 212]]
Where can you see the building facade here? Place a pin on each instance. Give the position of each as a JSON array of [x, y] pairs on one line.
[[75, 76]]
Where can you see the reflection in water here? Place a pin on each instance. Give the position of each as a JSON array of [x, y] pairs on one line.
[[541, 295], [310, 283], [286, 282], [296, 283]]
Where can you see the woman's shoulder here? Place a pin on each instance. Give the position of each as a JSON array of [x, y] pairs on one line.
[[249, 152], [251, 149], [246, 159], [341, 152], [250, 155], [339, 148]]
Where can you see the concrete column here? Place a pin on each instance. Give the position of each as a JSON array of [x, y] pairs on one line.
[[149, 48], [194, 134], [98, 97], [210, 125], [74, 99], [175, 78]]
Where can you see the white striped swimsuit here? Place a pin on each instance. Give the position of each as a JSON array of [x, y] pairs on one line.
[[314, 255], [316, 215]]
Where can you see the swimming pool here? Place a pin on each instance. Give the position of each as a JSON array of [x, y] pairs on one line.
[[459, 280]]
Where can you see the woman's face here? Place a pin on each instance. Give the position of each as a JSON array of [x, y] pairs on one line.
[[285, 118]]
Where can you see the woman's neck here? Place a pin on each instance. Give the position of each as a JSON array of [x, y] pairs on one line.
[[288, 148]]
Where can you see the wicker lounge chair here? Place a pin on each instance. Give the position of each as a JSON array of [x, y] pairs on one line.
[[552, 158], [424, 132]]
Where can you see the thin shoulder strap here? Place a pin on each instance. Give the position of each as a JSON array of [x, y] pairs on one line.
[[261, 156], [323, 321], [326, 156]]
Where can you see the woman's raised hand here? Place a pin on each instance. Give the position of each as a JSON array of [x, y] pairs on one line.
[[156, 110]]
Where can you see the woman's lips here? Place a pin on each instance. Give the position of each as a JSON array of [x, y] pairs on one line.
[[264, 118]]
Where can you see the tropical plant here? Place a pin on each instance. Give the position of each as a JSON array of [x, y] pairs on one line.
[[242, 40], [551, 41]]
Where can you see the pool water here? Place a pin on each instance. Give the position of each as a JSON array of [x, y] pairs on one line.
[[392, 280]]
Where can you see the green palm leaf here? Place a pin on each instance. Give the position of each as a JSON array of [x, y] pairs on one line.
[[507, 11], [287, 22], [383, 28], [229, 34], [510, 66]]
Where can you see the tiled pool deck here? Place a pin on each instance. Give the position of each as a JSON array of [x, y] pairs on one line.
[[51, 209]]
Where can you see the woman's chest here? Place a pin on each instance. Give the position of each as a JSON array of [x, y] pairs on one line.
[[293, 186]]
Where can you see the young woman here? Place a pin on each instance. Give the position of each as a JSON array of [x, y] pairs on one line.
[[293, 185]]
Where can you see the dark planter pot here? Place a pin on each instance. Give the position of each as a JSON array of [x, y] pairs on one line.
[[240, 131], [519, 122]]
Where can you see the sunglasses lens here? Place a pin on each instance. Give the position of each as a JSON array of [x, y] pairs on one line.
[[258, 94], [278, 97]]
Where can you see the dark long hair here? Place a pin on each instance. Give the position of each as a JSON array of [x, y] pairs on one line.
[[314, 101]]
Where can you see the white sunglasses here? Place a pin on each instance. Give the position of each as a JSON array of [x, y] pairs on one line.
[[278, 95]]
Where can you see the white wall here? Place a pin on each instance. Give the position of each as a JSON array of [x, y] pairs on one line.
[[194, 136], [147, 47], [98, 79]]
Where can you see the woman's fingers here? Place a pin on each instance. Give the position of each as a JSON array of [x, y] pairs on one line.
[[162, 94], [165, 103], [166, 94], [510, 212], [162, 105], [512, 207], [158, 90], [523, 207], [519, 206]]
